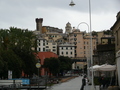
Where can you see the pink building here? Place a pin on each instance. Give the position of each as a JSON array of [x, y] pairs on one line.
[[42, 56]]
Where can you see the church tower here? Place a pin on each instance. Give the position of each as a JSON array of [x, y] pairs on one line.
[[39, 24], [68, 28]]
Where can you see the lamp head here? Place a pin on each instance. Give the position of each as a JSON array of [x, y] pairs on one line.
[[71, 3]]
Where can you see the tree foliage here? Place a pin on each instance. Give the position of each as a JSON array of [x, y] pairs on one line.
[[16, 50], [53, 64], [58, 65], [65, 64], [94, 33], [107, 32]]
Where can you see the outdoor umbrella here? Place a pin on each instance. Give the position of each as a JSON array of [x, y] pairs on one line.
[[95, 67], [107, 67]]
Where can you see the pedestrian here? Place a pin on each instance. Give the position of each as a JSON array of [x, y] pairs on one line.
[[83, 82], [102, 81]]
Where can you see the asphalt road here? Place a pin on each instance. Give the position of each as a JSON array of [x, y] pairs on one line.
[[73, 84]]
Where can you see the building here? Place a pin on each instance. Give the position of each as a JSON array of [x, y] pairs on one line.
[[46, 29], [41, 44], [51, 46], [116, 31], [81, 40], [67, 49], [73, 43], [106, 51], [68, 28], [82, 43], [39, 24], [42, 56]]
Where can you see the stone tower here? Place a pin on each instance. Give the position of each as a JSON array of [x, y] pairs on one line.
[[68, 28], [39, 24]]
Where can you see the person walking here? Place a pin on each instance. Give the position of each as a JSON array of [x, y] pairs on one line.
[[83, 82]]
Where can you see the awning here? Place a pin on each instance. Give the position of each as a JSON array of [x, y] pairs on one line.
[[104, 67]]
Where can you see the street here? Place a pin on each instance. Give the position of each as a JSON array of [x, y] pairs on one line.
[[73, 84]]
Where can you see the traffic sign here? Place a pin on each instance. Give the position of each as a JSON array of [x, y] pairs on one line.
[[38, 65]]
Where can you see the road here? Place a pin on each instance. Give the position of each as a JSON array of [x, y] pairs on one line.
[[73, 84]]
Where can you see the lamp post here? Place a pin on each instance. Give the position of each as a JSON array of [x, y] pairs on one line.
[[91, 49], [88, 73], [38, 65]]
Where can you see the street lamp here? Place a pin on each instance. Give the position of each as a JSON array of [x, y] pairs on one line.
[[92, 87], [38, 65], [72, 3], [88, 74]]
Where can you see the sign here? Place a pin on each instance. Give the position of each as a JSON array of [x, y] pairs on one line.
[[38, 65], [9, 74]]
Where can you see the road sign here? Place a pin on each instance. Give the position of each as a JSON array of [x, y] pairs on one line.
[[38, 65]]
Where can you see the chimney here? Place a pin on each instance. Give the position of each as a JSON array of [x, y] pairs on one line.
[[39, 24]]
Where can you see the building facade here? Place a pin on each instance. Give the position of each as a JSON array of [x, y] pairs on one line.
[[67, 50], [116, 30]]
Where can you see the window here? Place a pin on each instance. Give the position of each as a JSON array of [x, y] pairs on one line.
[[47, 46], [43, 49], [39, 49], [66, 48], [47, 49], [54, 50], [84, 47], [54, 47], [75, 35], [75, 39], [71, 53], [61, 52], [43, 44], [66, 52], [87, 43], [75, 43], [71, 48]]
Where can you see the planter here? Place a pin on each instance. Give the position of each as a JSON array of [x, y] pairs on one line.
[[113, 88]]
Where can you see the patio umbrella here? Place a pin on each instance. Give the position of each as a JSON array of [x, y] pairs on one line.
[[95, 67], [107, 67]]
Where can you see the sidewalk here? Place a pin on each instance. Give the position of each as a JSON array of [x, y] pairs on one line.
[[67, 78]]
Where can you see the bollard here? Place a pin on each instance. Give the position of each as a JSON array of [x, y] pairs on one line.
[[14, 86]]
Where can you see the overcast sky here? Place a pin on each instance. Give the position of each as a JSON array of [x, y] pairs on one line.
[[56, 13]]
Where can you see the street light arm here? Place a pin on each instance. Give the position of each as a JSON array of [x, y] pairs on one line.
[[83, 23]]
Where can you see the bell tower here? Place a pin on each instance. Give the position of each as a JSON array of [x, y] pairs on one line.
[[68, 28], [39, 24]]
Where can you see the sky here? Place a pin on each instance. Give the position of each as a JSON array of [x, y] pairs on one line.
[[57, 13]]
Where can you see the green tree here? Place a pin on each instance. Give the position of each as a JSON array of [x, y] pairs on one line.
[[17, 45], [13, 63], [94, 33], [53, 64], [22, 42], [107, 32], [65, 64]]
